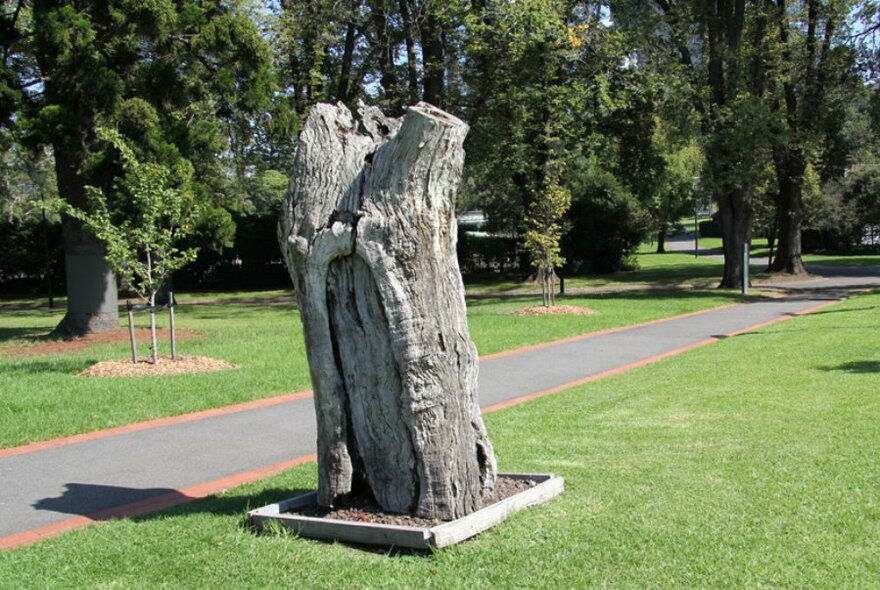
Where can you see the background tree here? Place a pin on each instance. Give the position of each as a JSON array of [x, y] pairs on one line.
[[172, 77], [810, 66], [721, 50], [544, 231], [606, 222], [143, 242], [12, 13], [29, 226], [623, 93], [522, 104]]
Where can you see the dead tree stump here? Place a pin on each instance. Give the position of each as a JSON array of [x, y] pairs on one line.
[[368, 232]]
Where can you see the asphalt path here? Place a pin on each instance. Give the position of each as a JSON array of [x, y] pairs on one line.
[[42, 489]]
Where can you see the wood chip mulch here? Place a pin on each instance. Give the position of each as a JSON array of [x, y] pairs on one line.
[[555, 310], [44, 347], [359, 509], [165, 366]]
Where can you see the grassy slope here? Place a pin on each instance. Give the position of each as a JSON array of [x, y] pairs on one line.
[[674, 478], [42, 397]]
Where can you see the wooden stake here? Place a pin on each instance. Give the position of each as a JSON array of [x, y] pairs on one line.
[[134, 352], [171, 325]]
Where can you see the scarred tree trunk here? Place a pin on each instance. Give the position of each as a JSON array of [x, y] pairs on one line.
[[368, 232]]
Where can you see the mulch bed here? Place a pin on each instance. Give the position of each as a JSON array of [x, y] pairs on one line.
[[555, 310], [165, 366], [366, 510], [43, 347]]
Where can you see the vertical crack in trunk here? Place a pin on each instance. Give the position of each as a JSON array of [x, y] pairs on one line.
[[365, 362], [359, 483]]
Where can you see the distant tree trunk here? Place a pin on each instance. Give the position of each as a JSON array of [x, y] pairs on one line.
[[387, 74], [412, 69], [804, 93], [771, 237], [368, 232], [790, 166], [434, 60], [343, 89], [661, 239], [92, 300], [735, 214]]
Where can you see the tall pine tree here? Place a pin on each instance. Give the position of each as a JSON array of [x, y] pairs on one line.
[[171, 77]]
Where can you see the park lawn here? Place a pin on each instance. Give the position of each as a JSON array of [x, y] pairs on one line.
[[837, 260], [655, 270], [43, 397], [670, 269], [750, 462]]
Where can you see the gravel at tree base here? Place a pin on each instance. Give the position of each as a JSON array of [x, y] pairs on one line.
[[555, 310], [146, 368], [361, 509]]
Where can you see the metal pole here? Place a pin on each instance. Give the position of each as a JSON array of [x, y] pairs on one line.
[[745, 273], [171, 325], [134, 354]]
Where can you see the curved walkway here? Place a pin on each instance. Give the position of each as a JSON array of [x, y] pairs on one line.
[[58, 485]]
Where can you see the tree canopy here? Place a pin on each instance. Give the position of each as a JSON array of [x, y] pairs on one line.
[[767, 106]]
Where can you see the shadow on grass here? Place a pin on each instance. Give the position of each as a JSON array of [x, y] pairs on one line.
[[105, 502], [25, 334], [852, 309], [667, 273], [30, 366], [661, 269], [855, 367]]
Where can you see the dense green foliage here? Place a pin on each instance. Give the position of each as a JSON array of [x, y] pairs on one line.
[[175, 80], [29, 228], [606, 223], [762, 107], [143, 247]]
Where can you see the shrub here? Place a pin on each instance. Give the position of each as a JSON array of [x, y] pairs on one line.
[[606, 224]]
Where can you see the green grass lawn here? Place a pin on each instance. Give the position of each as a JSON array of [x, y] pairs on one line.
[[42, 397], [837, 260], [669, 269], [672, 268], [751, 462]]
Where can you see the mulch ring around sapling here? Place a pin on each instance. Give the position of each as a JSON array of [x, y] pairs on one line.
[[165, 366], [555, 310], [366, 510]]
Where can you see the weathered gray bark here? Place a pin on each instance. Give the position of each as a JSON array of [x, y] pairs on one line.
[[368, 232]]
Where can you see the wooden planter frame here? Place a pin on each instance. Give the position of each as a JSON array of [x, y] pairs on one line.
[[442, 535]]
